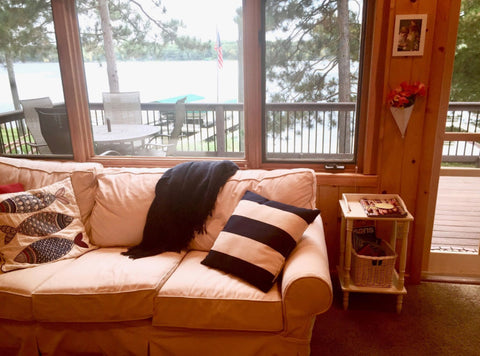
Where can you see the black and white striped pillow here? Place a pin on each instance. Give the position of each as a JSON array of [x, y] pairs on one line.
[[257, 239]]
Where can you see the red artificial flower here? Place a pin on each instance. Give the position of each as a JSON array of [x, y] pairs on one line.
[[404, 95]]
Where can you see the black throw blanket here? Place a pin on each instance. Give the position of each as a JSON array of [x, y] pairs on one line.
[[184, 198]]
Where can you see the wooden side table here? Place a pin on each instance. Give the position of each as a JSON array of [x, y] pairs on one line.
[[351, 211]]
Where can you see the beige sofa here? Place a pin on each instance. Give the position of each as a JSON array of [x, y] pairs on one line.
[[102, 302]]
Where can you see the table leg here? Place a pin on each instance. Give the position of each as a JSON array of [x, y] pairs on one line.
[[348, 253], [399, 303], [342, 245], [403, 254], [345, 300]]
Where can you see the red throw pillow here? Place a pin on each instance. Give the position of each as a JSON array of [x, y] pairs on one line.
[[11, 188]]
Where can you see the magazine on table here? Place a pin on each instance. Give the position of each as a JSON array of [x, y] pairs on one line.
[[386, 207], [365, 241]]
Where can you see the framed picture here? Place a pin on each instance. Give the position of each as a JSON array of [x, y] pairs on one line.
[[409, 38]]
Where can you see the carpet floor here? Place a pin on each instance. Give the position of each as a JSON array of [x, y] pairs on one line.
[[436, 319]]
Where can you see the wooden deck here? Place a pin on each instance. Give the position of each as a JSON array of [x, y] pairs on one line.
[[457, 216]]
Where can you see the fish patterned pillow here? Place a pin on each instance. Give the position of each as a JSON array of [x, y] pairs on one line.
[[39, 226]]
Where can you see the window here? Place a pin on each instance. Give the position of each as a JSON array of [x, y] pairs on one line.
[[164, 81], [311, 66], [30, 80]]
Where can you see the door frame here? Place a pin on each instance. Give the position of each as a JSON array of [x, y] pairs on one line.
[[454, 265]]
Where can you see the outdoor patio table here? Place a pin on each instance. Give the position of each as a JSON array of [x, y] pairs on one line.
[[124, 133]]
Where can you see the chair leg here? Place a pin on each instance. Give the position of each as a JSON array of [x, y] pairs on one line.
[[110, 153]]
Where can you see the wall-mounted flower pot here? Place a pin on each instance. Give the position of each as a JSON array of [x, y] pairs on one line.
[[402, 116]]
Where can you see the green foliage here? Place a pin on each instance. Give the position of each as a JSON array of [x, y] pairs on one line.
[[11, 143], [138, 33], [301, 51], [134, 28], [184, 49], [25, 31], [466, 72], [459, 164]]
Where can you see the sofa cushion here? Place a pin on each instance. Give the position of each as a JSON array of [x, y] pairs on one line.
[[40, 226], [104, 285], [199, 297], [258, 237], [123, 199], [16, 289], [275, 185], [37, 173], [11, 188]]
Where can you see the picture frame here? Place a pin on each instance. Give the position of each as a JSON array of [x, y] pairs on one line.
[[409, 37]]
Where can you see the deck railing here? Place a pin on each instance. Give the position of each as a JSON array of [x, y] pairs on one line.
[[199, 128], [312, 131], [462, 136]]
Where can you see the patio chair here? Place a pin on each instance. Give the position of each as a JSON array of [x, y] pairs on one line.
[[55, 129], [163, 149], [122, 108], [33, 124], [177, 126]]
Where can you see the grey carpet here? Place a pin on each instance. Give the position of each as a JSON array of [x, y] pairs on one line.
[[436, 319]]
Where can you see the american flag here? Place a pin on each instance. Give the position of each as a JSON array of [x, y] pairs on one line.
[[218, 48]]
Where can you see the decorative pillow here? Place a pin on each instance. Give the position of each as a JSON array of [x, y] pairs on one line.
[[40, 226], [257, 239], [11, 188]]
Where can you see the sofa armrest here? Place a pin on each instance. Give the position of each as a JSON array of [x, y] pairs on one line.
[[306, 284]]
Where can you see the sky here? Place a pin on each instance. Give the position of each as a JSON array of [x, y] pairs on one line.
[[204, 17]]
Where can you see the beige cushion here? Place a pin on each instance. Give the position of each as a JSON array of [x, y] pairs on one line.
[[40, 226], [16, 289], [104, 285], [37, 174], [123, 199], [199, 297], [275, 185]]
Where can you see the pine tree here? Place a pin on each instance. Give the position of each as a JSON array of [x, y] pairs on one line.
[[466, 72], [123, 26], [308, 41]]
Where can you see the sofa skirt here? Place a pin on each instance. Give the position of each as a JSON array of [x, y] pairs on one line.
[[18, 338], [139, 338]]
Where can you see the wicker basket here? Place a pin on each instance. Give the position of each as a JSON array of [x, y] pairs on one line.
[[374, 271]]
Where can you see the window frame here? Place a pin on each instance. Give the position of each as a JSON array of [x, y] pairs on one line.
[[326, 163], [75, 93]]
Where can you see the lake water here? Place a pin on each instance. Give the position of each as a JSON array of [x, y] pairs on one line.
[[155, 80]]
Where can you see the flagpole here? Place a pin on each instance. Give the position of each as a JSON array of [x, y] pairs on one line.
[[218, 81], [218, 64], [218, 49]]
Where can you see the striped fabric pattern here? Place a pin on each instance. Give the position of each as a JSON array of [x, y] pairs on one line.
[[257, 239]]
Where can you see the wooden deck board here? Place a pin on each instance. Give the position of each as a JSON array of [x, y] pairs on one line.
[[457, 216]]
